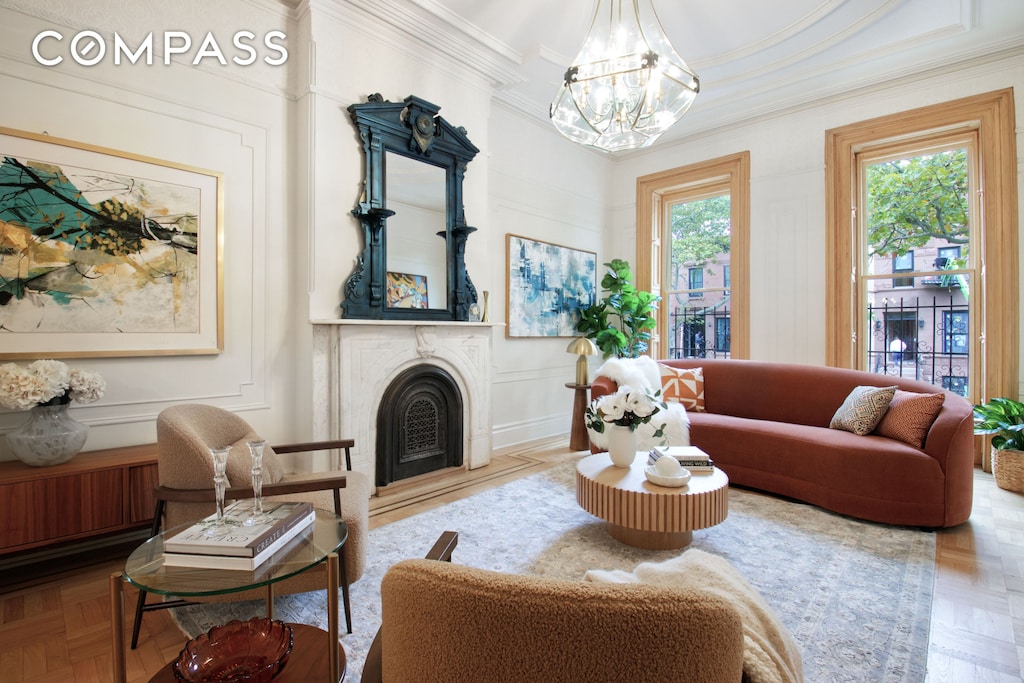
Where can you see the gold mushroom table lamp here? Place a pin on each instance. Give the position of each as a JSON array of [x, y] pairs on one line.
[[583, 347]]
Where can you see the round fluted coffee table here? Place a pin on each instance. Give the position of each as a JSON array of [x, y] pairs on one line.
[[643, 514]]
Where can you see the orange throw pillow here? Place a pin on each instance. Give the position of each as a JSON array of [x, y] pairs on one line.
[[683, 385], [910, 416]]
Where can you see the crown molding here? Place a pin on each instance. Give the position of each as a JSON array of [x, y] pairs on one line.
[[433, 28]]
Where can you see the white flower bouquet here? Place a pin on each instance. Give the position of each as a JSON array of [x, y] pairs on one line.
[[627, 407], [47, 382]]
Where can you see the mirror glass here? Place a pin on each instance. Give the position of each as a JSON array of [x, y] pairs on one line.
[[417, 257]]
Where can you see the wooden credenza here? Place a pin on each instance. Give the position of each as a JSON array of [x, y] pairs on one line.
[[95, 494]]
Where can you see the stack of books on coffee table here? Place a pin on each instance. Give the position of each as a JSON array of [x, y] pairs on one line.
[[690, 457], [235, 545]]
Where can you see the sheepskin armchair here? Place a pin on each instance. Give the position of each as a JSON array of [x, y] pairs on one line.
[[446, 622]]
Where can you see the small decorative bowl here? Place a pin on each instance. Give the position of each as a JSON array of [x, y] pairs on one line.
[[238, 652], [672, 482]]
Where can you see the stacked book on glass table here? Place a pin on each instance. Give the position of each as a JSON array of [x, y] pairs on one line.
[[690, 457], [241, 540]]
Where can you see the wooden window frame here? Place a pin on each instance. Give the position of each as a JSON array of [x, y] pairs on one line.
[[653, 192], [992, 116]]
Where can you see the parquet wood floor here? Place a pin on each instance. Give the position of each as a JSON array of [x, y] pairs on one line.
[[58, 629]]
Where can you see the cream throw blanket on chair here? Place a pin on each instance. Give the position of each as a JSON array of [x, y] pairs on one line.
[[643, 373], [770, 655]]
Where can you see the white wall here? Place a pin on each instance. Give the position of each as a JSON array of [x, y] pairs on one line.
[[524, 181], [788, 196], [232, 120], [293, 167], [544, 188]]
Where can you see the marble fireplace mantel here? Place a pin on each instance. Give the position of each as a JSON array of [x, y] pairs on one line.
[[354, 362]]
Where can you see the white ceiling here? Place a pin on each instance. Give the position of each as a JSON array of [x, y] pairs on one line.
[[754, 57]]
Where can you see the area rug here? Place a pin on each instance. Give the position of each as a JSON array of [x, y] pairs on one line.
[[856, 595]]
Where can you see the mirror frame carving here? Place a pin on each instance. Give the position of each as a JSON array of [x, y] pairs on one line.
[[411, 128]]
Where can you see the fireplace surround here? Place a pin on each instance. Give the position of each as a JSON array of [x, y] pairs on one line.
[[356, 361]]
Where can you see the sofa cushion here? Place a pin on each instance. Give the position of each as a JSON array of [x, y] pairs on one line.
[[910, 416], [683, 385], [863, 409]]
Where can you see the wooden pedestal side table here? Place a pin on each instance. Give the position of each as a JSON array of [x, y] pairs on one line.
[[643, 514], [579, 440], [312, 658]]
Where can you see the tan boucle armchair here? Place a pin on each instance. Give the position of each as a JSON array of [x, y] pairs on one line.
[[184, 435], [451, 623]]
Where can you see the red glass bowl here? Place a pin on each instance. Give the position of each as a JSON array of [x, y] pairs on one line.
[[238, 652]]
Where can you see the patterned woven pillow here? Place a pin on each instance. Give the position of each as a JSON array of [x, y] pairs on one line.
[[683, 385], [910, 416], [863, 409]]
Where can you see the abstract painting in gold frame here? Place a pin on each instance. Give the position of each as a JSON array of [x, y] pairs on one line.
[[106, 253]]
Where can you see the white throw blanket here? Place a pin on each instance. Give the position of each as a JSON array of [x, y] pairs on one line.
[[770, 655], [643, 373]]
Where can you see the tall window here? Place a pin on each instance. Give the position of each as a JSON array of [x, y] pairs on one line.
[[698, 239], [693, 226], [869, 167], [918, 197]]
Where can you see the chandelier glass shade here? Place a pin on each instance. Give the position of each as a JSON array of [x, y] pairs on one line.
[[627, 85]]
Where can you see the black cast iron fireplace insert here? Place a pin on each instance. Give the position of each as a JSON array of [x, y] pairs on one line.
[[419, 424]]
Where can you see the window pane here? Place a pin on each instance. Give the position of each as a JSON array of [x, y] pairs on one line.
[[916, 202], [923, 334], [917, 221], [696, 284]]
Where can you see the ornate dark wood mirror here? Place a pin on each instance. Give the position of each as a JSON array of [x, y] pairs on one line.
[[412, 265]]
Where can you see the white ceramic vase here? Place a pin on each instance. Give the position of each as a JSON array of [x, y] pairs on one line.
[[50, 437], [621, 445]]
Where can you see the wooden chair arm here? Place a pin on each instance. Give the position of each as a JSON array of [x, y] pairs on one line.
[[314, 446], [166, 494], [444, 546], [328, 445], [373, 666], [173, 495]]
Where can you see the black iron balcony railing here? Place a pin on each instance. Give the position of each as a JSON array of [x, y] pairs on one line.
[[910, 337]]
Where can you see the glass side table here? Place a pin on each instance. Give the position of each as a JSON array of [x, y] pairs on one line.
[[145, 569]]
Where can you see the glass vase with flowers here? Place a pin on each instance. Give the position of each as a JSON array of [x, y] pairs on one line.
[[46, 388]]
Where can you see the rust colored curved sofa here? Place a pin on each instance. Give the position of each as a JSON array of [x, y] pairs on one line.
[[766, 425]]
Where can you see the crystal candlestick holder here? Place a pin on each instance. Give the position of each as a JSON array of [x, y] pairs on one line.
[[256, 452], [220, 483]]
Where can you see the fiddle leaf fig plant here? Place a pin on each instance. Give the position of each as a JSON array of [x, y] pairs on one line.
[[1004, 418], [620, 324]]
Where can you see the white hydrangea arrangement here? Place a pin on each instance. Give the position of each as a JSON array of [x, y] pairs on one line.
[[627, 407], [47, 382]]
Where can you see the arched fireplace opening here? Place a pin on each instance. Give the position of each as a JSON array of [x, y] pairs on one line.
[[419, 424]]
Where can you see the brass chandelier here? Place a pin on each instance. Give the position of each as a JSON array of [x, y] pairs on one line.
[[627, 85]]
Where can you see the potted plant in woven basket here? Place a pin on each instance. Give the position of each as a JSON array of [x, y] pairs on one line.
[[1004, 419]]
